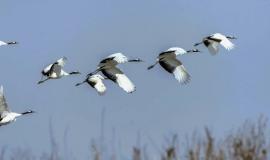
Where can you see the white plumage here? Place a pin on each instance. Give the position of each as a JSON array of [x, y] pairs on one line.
[[62, 61], [6, 116], [225, 42], [95, 81], [124, 82], [101, 88], [177, 50], [47, 69], [213, 48], [118, 57], [181, 75], [3, 43], [99, 85]]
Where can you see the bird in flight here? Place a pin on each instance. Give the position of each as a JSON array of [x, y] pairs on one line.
[[212, 42], [6, 116], [95, 81], [55, 70], [108, 67], [171, 64], [2, 43]]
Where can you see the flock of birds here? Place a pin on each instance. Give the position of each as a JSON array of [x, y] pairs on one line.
[[108, 67]]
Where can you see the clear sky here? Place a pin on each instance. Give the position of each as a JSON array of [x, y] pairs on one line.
[[224, 91]]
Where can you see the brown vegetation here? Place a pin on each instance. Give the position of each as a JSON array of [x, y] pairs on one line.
[[249, 142]]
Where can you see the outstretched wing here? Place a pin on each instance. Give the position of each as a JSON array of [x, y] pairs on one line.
[[180, 73], [116, 75], [177, 50], [96, 81], [174, 66], [47, 69], [123, 81], [118, 57], [100, 87], [3, 103], [62, 61], [225, 42], [213, 47], [55, 69]]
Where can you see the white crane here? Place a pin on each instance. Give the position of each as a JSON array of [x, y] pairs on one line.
[[212, 42], [108, 67], [95, 81], [55, 70], [2, 43], [6, 116], [172, 65]]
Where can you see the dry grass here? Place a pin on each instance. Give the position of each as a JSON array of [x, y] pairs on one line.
[[249, 142]]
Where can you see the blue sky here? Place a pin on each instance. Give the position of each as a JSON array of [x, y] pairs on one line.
[[225, 89]]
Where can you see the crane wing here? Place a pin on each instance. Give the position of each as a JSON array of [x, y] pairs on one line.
[[181, 75], [62, 61], [47, 69], [55, 69], [213, 47], [100, 87], [3, 103], [177, 50], [118, 57], [225, 42], [96, 81], [123, 81]]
